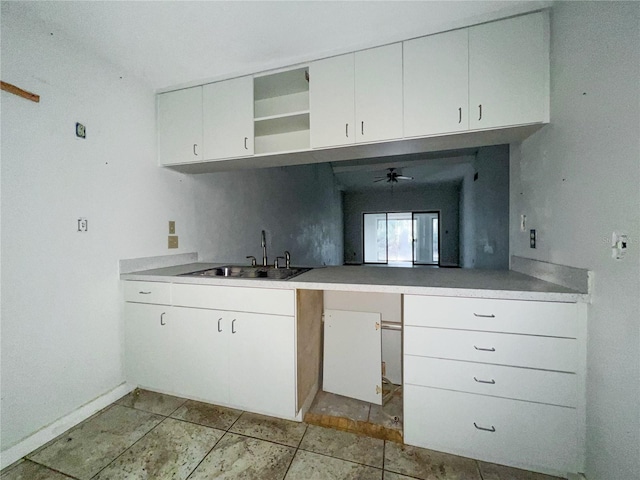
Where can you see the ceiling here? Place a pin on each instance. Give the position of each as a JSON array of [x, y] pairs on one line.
[[177, 43], [172, 44]]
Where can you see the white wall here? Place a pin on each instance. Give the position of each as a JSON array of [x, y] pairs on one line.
[[442, 198], [299, 208], [484, 211], [578, 180], [61, 319]]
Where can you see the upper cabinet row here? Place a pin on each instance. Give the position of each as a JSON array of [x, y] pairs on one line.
[[483, 77]]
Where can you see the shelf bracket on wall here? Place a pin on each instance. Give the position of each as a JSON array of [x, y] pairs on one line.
[[7, 87]]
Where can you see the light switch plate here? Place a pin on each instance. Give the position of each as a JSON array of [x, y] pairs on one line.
[[172, 227], [173, 241]]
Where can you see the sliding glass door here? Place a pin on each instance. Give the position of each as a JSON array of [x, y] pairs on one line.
[[401, 238]]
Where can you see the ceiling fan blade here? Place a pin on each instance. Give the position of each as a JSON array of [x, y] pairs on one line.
[[380, 179], [404, 177]]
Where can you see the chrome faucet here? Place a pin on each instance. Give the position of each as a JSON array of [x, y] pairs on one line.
[[264, 249], [287, 259]]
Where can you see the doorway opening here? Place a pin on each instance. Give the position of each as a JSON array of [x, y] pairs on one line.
[[401, 238]]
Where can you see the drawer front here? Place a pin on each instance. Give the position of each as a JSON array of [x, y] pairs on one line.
[[541, 386], [241, 299], [510, 316], [521, 434], [497, 348], [147, 292]]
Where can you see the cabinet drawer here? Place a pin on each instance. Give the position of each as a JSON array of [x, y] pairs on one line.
[[498, 348], [522, 434], [147, 292], [512, 316], [556, 388], [242, 299]]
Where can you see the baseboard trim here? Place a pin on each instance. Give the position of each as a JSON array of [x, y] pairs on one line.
[[51, 431]]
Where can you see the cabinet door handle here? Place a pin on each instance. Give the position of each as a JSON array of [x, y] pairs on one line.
[[459, 114], [362, 128], [484, 429], [194, 149], [479, 315], [245, 143], [219, 327], [490, 382], [162, 319], [233, 326], [144, 293], [346, 130], [492, 349], [480, 108]]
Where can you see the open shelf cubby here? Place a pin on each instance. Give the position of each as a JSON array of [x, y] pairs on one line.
[[281, 111]]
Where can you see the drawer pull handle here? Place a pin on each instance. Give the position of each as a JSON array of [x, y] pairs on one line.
[[484, 429], [492, 349], [144, 293], [162, 319], [479, 315], [490, 382], [219, 327], [233, 326]]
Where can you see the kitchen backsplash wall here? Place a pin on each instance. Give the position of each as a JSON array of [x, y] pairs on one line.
[[299, 207]]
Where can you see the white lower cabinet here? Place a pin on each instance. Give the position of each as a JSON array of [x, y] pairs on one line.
[[480, 380], [245, 360]]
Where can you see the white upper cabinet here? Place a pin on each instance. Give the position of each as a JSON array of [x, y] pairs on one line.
[[180, 126], [509, 72], [436, 84], [378, 93], [356, 97], [332, 101], [228, 118]]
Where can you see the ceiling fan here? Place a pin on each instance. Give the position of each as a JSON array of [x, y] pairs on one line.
[[392, 177]]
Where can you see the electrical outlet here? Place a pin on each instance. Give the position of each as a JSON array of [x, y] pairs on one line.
[[532, 238], [81, 131], [172, 227], [173, 241], [619, 245], [523, 223], [83, 224]]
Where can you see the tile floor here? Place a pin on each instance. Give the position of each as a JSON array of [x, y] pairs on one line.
[[147, 435]]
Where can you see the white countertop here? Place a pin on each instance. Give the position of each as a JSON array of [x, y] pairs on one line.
[[451, 282]]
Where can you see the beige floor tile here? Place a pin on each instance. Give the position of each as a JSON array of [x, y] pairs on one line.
[[344, 445], [85, 450], [151, 402], [312, 466], [327, 403], [171, 450], [236, 457], [269, 428], [395, 476], [386, 416], [491, 471], [427, 464], [207, 414], [28, 470]]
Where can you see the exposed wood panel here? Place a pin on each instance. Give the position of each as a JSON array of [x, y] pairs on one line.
[[309, 341]]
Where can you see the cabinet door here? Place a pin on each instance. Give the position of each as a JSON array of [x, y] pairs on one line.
[[436, 84], [262, 364], [201, 360], [378, 93], [149, 346], [180, 126], [509, 72], [331, 101], [228, 118]]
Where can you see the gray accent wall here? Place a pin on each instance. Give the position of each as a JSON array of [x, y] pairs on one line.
[[578, 180], [484, 211], [300, 208], [442, 198]]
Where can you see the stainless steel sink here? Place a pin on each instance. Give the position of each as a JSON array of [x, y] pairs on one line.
[[243, 271]]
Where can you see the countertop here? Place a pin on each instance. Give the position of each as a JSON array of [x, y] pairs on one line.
[[451, 282]]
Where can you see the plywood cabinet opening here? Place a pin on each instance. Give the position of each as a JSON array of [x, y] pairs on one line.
[[281, 112]]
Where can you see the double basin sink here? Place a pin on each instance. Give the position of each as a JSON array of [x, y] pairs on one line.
[[238, 271]]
